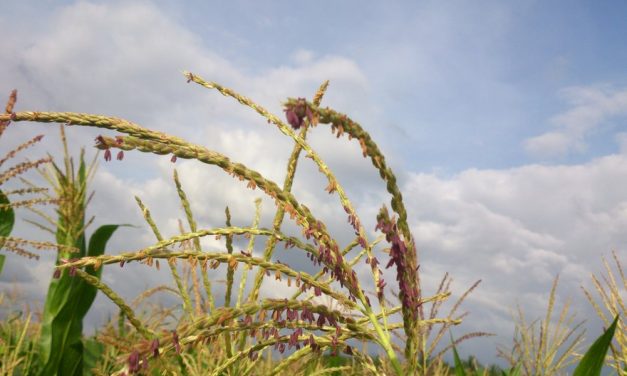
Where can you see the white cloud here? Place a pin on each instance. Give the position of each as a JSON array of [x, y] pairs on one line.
[[591, 108], [516, 230], [302, 56]]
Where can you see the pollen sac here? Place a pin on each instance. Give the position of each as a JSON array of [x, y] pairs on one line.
[[133, 362], [175, 340], [154, 347], [252, 355], [296, 113], [292, 118]]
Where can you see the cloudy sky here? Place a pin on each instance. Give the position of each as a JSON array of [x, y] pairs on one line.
[[503, 122]]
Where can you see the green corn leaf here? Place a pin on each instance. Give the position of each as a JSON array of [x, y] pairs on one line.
[[82, 169], [97, 244], [60, 325], [7, 216], [70, 300], [7, 220], [459, 366], [93, 352], [73, 362], [515, 371], [592, 362]]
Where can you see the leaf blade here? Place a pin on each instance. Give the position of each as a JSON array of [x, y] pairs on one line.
[[594, 359]]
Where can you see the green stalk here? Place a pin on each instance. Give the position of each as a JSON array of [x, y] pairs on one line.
[[187, 304], [230, 271], [242, 285], [193, 227], [249, 249]]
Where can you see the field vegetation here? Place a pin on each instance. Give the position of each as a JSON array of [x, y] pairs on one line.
[[334, 324]]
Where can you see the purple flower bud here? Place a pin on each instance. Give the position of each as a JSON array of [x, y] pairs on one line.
[[362, 242], [175, 339], [154, 347], [320, 321], [252, 355], [133, 362], [293, 339], [293, 119], [332, 321]]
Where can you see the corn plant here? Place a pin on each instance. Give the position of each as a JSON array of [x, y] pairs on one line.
[[68, 300], [250, 329]]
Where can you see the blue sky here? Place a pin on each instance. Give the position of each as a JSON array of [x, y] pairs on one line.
[[504, 122], [468, 83]]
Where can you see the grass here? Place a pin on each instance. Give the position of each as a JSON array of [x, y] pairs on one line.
[[332, 324]]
